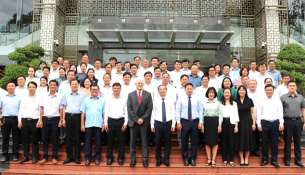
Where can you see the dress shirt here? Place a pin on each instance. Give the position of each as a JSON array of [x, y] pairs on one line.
[[176, 77], [60, 80], [99, 74], [281, 90], [196, 81], [254, 96], [94, 110], [220, 79], [276, 75], [10, 105], [212, 109], [200, 93], [134, 79], [116, 108], [2, 92], [180, 91], [269, 109], [117, 78], [21, 91], [38, 74], [53, 74], [156, 81], [105, 92], [235, 73], [200, 73], [126, 89], [182, 108], [73, 102], [142, 71], [261, 81], [171, 93], [41, 91], [187, 72], [170, 75], [51, 104], [292, 106], [253, 75], [28, 79], [152, 69], [230, 111], [151, 88], [88, 67], [29, 107], [214, 82], [65, 87], [157, 111]]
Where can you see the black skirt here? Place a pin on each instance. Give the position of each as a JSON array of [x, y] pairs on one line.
[[211, 130], [245, 137]]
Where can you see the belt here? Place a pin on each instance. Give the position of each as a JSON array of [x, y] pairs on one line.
[[12, 117], [292, 118], [225, 118], [116, 119], [190, 120], [271, 121], [28, 119], [162, 122], [73, 114], [49, 118]]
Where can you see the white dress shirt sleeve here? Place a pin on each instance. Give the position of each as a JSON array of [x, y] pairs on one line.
[[280, 112], [126, 113], [20, 114], [107, 110], [259, 114], [173, 112], [153, 115]]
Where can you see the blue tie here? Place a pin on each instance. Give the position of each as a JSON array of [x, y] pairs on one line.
[[163, 111], [189, 109]]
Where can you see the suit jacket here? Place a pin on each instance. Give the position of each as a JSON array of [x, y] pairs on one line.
[[136, 111]]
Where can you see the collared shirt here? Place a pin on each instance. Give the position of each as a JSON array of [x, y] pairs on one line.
[[170, 75], [21, 91], [281, 90], [254, 96], [94, 110], [200, 73], [187, 72], [182, 108], [60, 80], [269, 109], [142, 71], [156, 81], [29, 107], [151, 88], [196, 81], [10, 105], [292, 106], [117, 77], [53, 74], [276, 75], [181, 91], [235, 73], [176, 77], [220, 79], [73, 102], [200, 93], [171, 93], [261, 81], [41, 91], [116, 108], [126, 89], [88, 67], [157, 111], [99, 74], [231, 112], [214, 82], [212, 109], [51, 104], [105, 92], [28, 79], [253, 75], [134, 79], [38, 74], [65, 87]]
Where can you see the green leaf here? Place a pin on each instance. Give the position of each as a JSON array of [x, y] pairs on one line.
[[292, 52], [13, 71]]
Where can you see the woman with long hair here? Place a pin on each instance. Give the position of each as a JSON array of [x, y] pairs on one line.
[[242, 72], [226, 83], [62, 76], [218, 70], [74, 68], [31, 74], [86, 87], [43, 87], [90, 75], [39, 73]]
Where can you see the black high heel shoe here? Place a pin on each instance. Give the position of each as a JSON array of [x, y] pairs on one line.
[[208, 163]]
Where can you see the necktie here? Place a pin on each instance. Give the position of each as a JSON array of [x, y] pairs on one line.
[[163, 111], [189, 109], [139, 97]]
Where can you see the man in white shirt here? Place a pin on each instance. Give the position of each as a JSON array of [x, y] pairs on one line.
[[28, 120], [184, 79], [260, 78], [201, 90], [283, 89], [171, 90], [54, 73], [200, 73], [145, 67], [185, 65], [176, 74], [106, 88], [50, 121], [117, 76], [60, 61], [163, 124], [127, 66], [148, 86], [99, 72], [235, 70], [126, 86], [115, 123], [226, 73], [66, 65], [157, 80], [270, 121], [21, 89], [112, 61], [85, 59], [163, 66], [213, 81], [134, 74], [137, 61], [154, 64], [253, 73], [64, 87]]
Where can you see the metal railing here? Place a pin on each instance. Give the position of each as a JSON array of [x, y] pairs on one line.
[[9, 38]]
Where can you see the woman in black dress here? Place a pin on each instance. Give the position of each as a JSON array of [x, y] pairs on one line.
[[245, 140]]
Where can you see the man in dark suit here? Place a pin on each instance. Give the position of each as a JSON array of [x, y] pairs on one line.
[[139, 106]]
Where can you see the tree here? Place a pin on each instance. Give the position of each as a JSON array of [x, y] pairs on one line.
[[291, 62], [24, 57]]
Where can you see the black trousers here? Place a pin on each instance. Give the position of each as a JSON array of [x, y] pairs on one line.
[[29, 129], [143, 131], [163, 131], [257, 139], [227, 140], [115, 130], [73, 122], [89, 132], [9, 124], [270, 131], [50, 128], [200, 137], [189, 129], [293, 128]]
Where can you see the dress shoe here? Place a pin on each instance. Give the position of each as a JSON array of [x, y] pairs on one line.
[[299, 164], [133, 163], [275, 164], [158, 163], [15, 158], [201, 146], [87, 162], [67, 161], [193, 163], [97, 162], [34, 160], [179, 143], [186, 162], [145, 164], [62, 142], [120, 161], [189, 144], [264, 163], [109, 162], [43, 161], [255, 153], [54, 161], [77, 161], [167, 164], [287, 163]]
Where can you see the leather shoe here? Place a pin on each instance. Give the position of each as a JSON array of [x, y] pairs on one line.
[[255, 153], [287, 163], [120, 161], [158, 163], [34, 160], [133, 163], [97, 162], [109, 162], [43, 161], [25, 159], [264, 163], [62, 142], [186, 163], [275, 164], [67, 161], [167, 164], [87, 162], [54, 161], [77, 161], [193, 163], [145, 164], [299, 164]]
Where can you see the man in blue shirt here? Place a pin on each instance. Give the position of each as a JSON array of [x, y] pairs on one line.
[[194, 78], [226, 73], [163, 66], [276, 75], [189, 117], [235, 70], [93, 108], [72, 102], [9, 105]]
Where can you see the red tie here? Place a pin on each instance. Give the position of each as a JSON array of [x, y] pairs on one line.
[[139, 97]]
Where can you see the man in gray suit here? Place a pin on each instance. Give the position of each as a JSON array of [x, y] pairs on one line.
[[139, 106]]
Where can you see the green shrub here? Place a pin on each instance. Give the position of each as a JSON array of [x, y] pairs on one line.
[[13, 71], [4, 81]]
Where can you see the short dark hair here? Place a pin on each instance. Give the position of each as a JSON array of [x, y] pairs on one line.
[[32, 82], [189, 84], [185, 60], [42, 62], [205, 76], [112, 58], [165, 74], [286, 75], [177, 61], [98, 60], [21, 76], [53, 81], [46, 67], [133, 65], [118, 62], [74, 80], [242, 69], [196, 61], [211, 67], [184, 75], [136, 57], [154, 58], [291, 81], [157, 68], [10, 83], [127, 62], [234, 59], [94, 85], [82, 64], [74, 66], [262, 64], [54, 61], [225, 65], [61, 68], [31, 67], [271, 61], [106, 74], [116, 84], [269, 85], [267, 79], [148, 72], [217, 65], [107, 64], [252, 62], [70, 71], [194, 65], [126, 73], [222, 84], [211, 89], [163, 62], [160, 86]]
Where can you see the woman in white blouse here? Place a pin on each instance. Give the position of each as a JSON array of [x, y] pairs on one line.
[[31, 73], [43, 88], [229, 126]]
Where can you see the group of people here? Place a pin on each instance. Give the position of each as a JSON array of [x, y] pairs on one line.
[[134, 102]]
